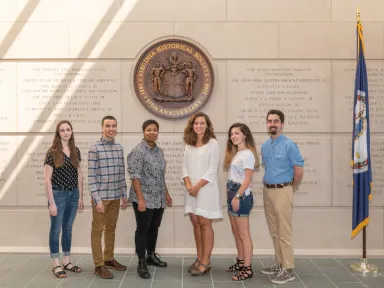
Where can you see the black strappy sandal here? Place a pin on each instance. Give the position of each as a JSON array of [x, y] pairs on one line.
[[74, 268], [59, 274], [236, 267], [244, 274]]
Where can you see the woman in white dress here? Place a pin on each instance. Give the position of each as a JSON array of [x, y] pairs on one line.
[[200, 175], [240, 160]]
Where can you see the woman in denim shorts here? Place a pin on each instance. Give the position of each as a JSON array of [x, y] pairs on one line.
[[240, 160]]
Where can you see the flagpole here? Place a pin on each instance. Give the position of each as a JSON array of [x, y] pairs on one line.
[[363, 266], [365, 242]]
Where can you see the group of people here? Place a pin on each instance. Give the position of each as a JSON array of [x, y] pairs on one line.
[[146, 166]]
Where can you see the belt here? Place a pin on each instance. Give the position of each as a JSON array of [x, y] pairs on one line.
[[282, 185], [63, 188]]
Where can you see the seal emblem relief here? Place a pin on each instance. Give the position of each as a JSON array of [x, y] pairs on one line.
[[173, 79]]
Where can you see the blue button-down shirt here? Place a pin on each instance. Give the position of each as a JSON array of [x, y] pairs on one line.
[[279, 156]]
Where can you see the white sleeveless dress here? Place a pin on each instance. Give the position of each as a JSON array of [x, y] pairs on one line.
[[203, 163]]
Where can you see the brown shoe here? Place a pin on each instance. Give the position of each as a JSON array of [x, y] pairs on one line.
[[103, 272], [113, 264]]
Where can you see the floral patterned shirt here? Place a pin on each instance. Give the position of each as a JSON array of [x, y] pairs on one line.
[[148, 165]]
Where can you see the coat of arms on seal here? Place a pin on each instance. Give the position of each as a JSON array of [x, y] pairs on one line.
[[173, 79]]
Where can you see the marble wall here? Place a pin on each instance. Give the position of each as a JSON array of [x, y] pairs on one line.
[[61, 60]]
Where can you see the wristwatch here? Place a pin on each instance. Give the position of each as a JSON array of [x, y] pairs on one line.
[[238, 196]]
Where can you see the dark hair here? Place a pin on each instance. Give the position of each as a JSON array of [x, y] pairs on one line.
[[232, 149], [57, 147], [149, 122], [276, 112], [107, 118], [190, 137]]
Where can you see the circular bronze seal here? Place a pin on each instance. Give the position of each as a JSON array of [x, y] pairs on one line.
[[173, 79]]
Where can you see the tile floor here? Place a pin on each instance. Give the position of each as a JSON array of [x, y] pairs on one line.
[[34, 271]]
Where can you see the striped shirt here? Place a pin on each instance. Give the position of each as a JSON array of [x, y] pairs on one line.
[[106, 171]]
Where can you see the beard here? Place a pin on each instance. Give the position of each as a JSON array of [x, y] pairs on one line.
[[274, 131]]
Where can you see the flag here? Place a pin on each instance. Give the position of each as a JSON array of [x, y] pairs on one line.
[[361, 158]]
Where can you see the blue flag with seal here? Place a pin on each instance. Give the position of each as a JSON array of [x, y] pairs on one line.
[[361, 158]]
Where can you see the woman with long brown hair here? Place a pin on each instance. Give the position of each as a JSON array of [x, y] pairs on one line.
[[200, 175], [240, 160], [64, 188]]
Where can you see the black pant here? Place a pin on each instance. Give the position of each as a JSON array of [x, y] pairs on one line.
[[147, 228]]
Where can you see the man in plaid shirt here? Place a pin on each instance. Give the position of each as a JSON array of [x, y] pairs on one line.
[[106, 179]]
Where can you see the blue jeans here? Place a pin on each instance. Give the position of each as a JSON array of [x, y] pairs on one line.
[[67, 203]]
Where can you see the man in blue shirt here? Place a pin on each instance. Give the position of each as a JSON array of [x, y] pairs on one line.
[[283, 165]]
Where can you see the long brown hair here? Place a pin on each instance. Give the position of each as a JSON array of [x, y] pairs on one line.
[[232, 149], [190, 137], [57, 147]]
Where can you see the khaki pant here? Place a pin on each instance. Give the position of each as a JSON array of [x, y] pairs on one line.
[[278, 212], [104, 222]]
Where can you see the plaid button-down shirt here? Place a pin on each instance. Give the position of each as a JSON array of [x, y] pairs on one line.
[[106, 171]]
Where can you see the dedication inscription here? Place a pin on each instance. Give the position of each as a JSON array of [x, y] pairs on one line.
[[302, 90], [81, 92], [173, 79]]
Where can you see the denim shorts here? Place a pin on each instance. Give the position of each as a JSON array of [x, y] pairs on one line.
[[246, 202]]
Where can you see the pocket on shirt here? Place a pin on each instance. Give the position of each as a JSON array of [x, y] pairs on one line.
[[281, 161]]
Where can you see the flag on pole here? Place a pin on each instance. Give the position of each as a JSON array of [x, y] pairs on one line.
[[361, 158]]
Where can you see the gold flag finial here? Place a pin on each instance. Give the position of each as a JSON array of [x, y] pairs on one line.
[[358, 13]]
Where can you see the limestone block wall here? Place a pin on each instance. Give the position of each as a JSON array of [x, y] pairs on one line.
[[70, 59]]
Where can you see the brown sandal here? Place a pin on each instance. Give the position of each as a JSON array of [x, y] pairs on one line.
[[197, 272], [74, 268], [193, 266], [59, 274]]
